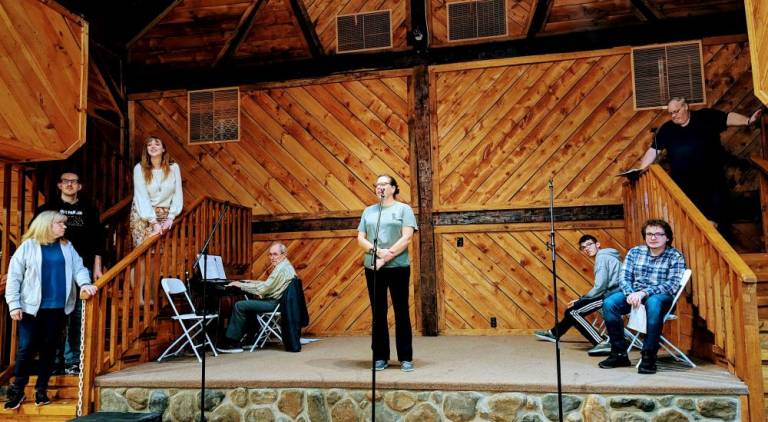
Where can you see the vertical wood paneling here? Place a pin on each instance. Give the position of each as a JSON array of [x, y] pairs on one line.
[[330, 265], [308, 149], [505, 272], [503, 131], [757, 15]]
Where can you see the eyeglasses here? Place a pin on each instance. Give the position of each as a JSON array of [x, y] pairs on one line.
[[381, 185], [586, 245], [70, 181], [275, 254], [653, 235]]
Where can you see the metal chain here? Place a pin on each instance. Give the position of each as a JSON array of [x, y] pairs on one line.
[[82, 358]]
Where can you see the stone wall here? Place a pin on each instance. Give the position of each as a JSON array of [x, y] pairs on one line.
[[325, 405]]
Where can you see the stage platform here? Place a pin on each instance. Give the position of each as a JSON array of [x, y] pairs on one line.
[[520, 365]]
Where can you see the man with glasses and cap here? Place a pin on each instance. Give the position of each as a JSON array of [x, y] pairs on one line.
[[650, 276], [607, 271], [87, 235]]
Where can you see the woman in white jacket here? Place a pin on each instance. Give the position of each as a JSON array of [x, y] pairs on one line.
[[40, 291], [157, 193]]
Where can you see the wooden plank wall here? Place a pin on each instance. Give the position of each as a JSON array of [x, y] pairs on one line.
[[504, 271], [500, 129], [43, 80], [329, 264]]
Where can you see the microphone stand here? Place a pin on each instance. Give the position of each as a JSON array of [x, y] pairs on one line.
[[204, 275], [551, 246], [373, 305]]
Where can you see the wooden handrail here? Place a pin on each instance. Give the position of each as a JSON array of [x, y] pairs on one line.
[[724, 287], [122, 319], [760, 163]]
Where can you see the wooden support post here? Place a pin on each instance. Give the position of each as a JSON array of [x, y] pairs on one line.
[[418, 130], [763, 179]]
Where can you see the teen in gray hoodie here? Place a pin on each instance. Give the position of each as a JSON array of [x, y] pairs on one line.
[[607, 272]]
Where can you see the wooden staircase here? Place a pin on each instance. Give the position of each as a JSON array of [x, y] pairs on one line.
[[759, 264], [63, 392]]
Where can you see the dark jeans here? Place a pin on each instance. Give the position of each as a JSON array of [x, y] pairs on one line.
[[37, 334], [72, 335], [574, 316], [396, 280], [242, 310], [656, 306]]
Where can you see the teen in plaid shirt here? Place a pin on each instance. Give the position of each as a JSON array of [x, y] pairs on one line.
[[650, 276]]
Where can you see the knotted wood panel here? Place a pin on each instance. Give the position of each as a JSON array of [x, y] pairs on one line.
[[502, 131], [330, 265], [43, 81], [311, 149], [504, 272]]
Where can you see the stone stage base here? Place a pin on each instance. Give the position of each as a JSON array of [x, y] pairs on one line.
[[456, 378]]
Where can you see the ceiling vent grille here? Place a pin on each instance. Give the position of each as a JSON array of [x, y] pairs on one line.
[[662, 72], [213, 115], [363, 31], [476, 19]]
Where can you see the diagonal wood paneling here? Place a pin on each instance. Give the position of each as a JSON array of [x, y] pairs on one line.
[[569, 15], [43, 81], [305, 149], [323, 14], [505, 272], [502, 131], [330, 267], [519, 14]]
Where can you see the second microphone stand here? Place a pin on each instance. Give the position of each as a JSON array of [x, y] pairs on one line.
[[374, 251]]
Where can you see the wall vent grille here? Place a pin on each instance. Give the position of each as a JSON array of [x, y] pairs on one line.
[[661, 72], [476, 19], [363, 31], [213, 115]]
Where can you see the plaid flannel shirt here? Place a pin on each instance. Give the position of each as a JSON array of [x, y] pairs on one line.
[[652, 274]]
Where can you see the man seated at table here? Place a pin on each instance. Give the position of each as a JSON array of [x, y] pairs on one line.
[[268, 294]]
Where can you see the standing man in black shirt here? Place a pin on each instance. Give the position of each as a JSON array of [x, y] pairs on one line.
[[695, 154], [86, 233]]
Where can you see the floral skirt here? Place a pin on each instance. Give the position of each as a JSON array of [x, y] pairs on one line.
[[141, 229]]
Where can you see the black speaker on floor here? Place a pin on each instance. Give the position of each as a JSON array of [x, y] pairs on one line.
[[119, 417]]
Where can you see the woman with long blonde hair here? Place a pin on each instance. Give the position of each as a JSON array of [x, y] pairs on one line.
[[157, 192], [40, 292]]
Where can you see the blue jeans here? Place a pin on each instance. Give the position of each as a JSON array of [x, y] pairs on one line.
[[656, 306], [72, 335], [38, 334]]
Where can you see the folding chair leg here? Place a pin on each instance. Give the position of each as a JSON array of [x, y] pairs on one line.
[[679, 354], [181, 346]]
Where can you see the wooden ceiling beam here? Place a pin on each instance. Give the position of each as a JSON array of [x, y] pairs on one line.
[[146, 78], [307, 28], [539, 18], [153, 22], [647, 13], [238, 35]]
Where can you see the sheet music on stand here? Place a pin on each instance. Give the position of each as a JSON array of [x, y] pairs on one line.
[[214, 268]]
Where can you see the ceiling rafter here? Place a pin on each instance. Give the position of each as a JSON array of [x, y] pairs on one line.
[[154, 22], [539, 18], [647, 12], [238, 35], [307, 28]]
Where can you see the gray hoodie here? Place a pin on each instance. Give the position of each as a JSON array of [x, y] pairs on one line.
[[607, 272]]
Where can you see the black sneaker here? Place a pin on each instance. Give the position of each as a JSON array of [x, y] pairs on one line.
[[41, 399], [73, 369], [230, 346], [15, 398], [647, 364], [615, 360]]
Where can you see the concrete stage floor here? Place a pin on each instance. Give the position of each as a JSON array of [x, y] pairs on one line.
[[511, 363]]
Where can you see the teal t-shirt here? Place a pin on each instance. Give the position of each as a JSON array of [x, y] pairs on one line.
[[393, 218]]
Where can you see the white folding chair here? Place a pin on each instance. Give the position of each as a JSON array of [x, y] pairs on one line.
[[269, 328], [191, 324], [674, 351]]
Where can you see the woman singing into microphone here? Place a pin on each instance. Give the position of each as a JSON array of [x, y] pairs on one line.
[[392, 270]]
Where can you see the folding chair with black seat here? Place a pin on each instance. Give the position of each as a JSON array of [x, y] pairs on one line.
[[637, 326], [269, 328], [191, 324]]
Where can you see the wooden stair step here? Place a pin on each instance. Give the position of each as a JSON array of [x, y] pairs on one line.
[[59, 387], [759, 264], [59, 410]]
